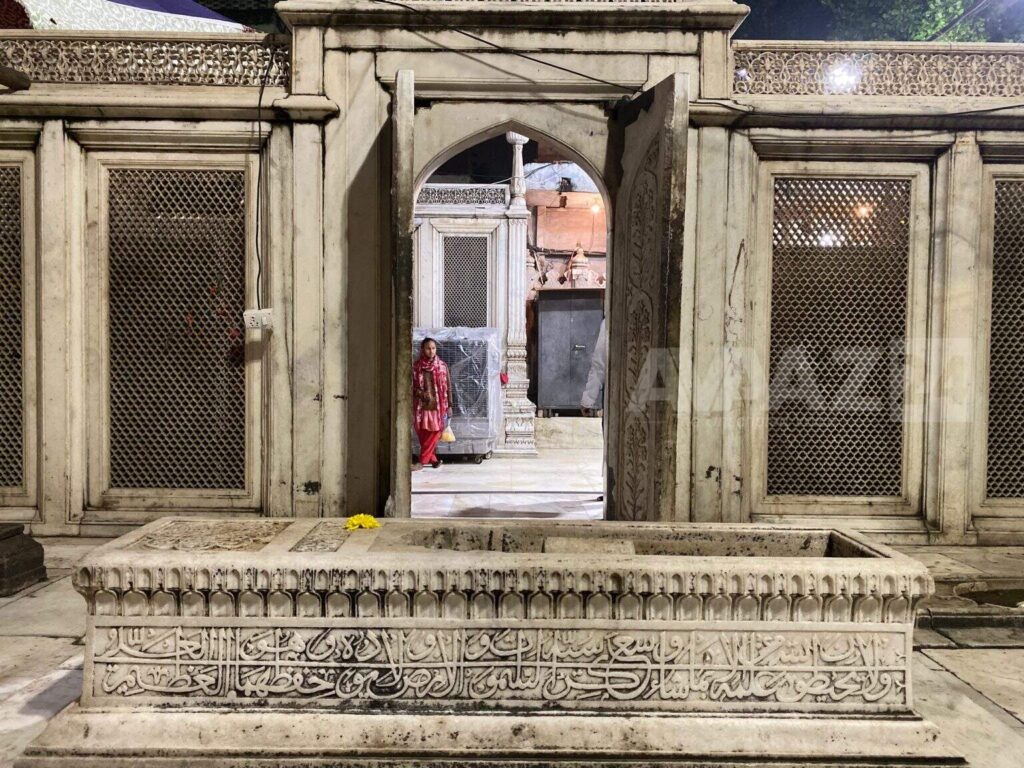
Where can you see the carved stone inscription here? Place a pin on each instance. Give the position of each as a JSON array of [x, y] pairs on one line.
[[669, 669]]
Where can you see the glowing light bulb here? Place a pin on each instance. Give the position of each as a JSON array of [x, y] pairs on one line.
[[595, 208], [842, 77], [828, 240], [863, 210]]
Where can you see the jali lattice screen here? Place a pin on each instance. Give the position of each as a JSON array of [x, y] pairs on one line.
[[1005, 475], [176, 277], [11, 329], [840, 259], [465, 281]]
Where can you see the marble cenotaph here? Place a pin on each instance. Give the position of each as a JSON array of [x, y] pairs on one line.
[[270, 642]]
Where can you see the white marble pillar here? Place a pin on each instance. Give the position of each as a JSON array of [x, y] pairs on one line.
[[519, 411]]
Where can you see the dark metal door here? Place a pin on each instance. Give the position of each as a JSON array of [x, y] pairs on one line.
[[568, 322]]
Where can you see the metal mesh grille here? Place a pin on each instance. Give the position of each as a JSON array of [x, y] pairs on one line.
[[1005, 475], [11, 319], [840, 258], [465, 282], [177, 346]]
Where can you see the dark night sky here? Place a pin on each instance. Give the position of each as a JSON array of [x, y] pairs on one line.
[[786, 20], [769, 19]]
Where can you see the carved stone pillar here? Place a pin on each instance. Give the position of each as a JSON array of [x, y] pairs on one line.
[[519, 411]]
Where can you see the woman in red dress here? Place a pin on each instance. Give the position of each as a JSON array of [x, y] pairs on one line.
[[432, 400]]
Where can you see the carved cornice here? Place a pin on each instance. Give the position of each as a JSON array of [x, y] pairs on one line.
[[603, 15], [169, 135], [402, 562], [105, 59], [19, 134]]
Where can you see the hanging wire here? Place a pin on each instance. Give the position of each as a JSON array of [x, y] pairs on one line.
[[625, 88]]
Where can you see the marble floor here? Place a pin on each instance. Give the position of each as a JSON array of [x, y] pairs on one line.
[[974, 693], [562, 483]]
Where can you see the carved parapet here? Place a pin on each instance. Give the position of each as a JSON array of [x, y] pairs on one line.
[[463, 194], [147, 59], [515, 613], [936, 70]]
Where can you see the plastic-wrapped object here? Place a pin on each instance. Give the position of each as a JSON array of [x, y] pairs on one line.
[[473, 356]]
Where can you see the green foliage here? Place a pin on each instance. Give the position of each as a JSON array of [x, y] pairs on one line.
[[901, 20], [993, 21]]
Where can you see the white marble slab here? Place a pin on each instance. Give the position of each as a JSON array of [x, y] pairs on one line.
[[552, 470]]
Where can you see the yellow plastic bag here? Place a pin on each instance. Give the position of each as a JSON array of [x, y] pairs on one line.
[[448, 436]]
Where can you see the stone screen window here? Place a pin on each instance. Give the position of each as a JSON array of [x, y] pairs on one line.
[[11, 330], [1005, 471], [839, 303], [465, 281], [176, 283]]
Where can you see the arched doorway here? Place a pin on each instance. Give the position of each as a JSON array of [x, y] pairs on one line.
[[639, 151], [509, 282]]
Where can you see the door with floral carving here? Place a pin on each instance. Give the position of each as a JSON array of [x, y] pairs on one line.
[[647, 476]]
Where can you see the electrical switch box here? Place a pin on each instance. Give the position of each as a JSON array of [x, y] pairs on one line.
[[259, 319]]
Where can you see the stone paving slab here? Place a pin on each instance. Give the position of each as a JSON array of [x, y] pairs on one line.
[[25, 659], [1007, 562], [942, 566], [64, 552], [577, 471], [53, 575], [930, 638], [24, 715], [986, 637], [994, 562], [525, 506], [57, 610], [969, 722], [998, 674]]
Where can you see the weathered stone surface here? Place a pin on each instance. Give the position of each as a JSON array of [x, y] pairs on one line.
[[998, 673], [395, 644], [21, 559], [240, 739]]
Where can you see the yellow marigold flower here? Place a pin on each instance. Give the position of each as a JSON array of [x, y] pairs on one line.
[[361, 521]]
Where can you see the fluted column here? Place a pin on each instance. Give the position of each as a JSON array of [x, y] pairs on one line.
[[519, 411]]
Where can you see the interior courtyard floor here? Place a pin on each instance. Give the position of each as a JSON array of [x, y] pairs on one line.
[[970, 683], [564, 480]]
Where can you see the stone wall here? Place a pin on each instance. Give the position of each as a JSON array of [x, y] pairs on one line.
[[311, 132]]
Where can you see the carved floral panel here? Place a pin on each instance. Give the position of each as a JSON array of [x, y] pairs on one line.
[[101, 61], [212, 535], [785, 71]]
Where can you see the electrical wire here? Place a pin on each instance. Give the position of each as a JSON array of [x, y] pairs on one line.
[[744, 110], [527, 175], [259, 175], [497, 46]]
